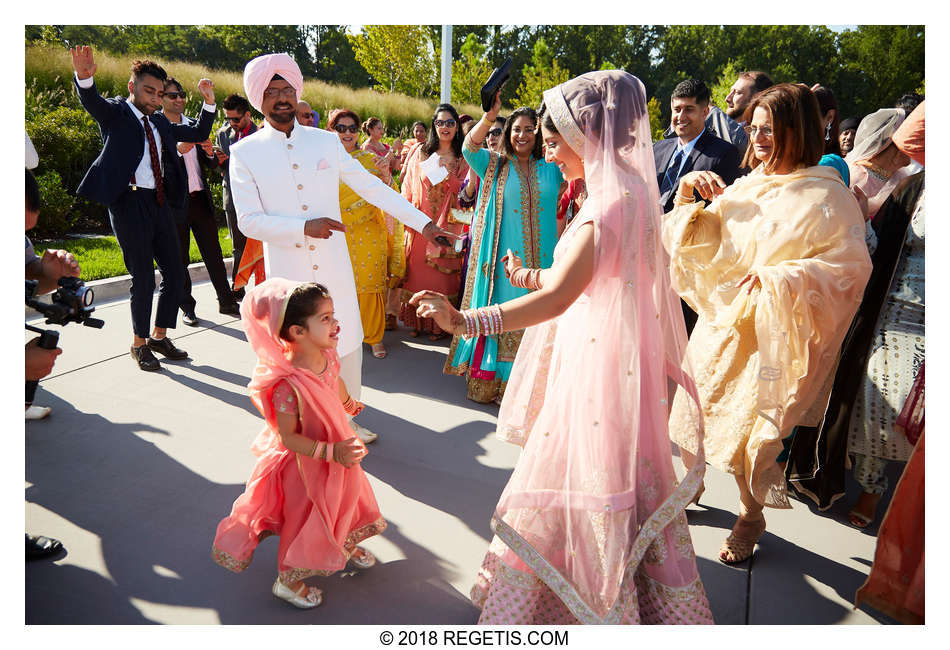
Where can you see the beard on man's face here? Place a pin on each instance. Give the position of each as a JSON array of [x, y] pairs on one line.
[[287, 113]]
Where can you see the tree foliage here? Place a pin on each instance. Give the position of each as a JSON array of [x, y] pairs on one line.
[[401, 58], [470, 70], [543, 73]]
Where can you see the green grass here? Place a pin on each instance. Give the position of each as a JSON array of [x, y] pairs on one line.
[[101, 257]]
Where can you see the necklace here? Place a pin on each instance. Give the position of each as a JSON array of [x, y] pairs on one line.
[[876, 169]]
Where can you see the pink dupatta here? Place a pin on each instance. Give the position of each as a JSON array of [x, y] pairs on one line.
[[344, 509]]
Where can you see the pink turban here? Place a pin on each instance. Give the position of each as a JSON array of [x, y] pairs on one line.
[[258, 73]]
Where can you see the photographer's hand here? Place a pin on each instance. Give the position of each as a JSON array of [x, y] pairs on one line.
[[39, 362], [50, 268]]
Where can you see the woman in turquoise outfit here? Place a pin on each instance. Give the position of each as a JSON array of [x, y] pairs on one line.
[[516, 212]]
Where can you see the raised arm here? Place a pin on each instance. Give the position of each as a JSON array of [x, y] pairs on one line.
[[101, 111], [480, 131]]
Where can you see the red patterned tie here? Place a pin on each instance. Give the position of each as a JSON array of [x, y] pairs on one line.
[[156, 166]]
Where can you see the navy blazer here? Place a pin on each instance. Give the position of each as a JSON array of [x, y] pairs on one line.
[[709, 154], [123, 138]]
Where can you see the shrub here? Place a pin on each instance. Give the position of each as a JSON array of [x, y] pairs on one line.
[[67, 141], [56, 216]]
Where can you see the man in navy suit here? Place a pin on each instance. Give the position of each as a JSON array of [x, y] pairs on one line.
[[133, 177], [693, 149]]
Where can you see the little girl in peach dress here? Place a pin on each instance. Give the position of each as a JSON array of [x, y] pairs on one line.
[[308, 486]]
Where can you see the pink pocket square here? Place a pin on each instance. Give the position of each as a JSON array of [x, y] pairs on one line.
[[323, 164]]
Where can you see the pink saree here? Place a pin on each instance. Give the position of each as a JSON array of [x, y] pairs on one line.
[[591, 527], [320, 510]]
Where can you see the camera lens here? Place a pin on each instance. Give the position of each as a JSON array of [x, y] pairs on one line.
[[87, 296]]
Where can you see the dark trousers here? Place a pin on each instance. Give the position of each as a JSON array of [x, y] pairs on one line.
[[197, 218], [238, 240], [146, 232]]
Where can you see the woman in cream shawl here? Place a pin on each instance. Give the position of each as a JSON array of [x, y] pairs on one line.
[[775, 267]]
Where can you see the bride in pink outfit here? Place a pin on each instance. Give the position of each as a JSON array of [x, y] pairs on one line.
[[591, 527], [308, 486]]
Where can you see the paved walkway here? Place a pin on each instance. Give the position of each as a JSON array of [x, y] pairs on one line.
[[133, 471]]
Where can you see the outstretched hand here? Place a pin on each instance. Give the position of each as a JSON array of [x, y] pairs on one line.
[[322, 227], [434, 305], [708, 184], [438, 236], [83, 63]]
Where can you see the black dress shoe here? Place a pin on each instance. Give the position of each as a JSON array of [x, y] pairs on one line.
[[144, 357], [39, 547], [230, 309], [188, 318], [238, 294], [166, 348]]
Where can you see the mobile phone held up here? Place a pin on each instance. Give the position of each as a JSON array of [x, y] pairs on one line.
[[498, 78]]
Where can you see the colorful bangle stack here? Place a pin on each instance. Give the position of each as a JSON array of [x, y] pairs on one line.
[[485, 321], [526, 278]]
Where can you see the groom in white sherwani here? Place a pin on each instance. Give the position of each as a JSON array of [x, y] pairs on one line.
[[285, 184]]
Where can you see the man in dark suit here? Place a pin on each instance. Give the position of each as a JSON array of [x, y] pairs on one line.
[[694, 148], [133, 178], [237, 112], [198, 214]]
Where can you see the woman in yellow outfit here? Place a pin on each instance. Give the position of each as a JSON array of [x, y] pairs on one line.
[[377, 262]]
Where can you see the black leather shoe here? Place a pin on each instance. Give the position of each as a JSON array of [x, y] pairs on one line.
[[239, 294], [188, 318], [39, 547], [166, 348], [146, 360], [230, 309]]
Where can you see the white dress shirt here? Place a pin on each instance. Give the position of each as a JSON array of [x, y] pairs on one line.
[[278, 183]]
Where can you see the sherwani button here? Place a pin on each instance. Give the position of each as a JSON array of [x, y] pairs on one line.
[[312, 247], [298, 245], [303, 207], [315, 267], [300, 187]]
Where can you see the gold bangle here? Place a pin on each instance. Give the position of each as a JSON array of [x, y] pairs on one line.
[[313, 449]]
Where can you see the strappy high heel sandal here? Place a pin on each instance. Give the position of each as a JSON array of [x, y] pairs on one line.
[[311, 599], [739, 548], [362, 559]]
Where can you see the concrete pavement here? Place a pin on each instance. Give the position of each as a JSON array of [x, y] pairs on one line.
[[133, 471]]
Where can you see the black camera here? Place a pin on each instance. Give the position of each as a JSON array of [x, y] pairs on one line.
[[71, 302]]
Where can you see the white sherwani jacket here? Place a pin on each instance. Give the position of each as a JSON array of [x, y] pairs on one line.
[[278, 183]]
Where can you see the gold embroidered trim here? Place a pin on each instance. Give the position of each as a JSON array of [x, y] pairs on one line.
[[228, 561], [349, 545], [504, 172]]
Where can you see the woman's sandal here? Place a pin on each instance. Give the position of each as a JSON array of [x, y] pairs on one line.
[[362, 559], [312, 598], [857, 518], [413, 333], [739, 548], [379, 350]]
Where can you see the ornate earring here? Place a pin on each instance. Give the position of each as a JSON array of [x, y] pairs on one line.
[[828, 131]]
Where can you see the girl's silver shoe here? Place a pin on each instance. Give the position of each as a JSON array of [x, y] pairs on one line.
[[364, 561], [313, 598]]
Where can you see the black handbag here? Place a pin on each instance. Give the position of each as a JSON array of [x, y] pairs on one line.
[[498, 78]]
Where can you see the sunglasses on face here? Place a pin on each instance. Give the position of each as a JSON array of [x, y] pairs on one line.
[[234, 120], [440, 123], [174, 95], [494, 132], [343, 128]]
